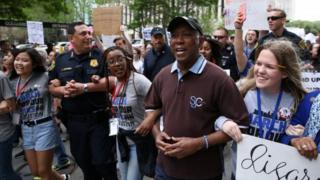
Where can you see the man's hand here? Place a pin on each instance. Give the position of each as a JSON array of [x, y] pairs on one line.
[[306, 147], [161, 139], [184, 146]]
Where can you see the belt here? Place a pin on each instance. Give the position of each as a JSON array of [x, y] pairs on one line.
[[35, 122]]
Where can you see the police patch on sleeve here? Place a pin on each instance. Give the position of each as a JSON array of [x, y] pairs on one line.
[[302, 44], [94, 63]]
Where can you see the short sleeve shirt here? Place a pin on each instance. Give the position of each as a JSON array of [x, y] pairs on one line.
[[6, 92]]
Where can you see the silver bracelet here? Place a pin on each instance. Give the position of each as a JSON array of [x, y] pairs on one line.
[[205, 138]]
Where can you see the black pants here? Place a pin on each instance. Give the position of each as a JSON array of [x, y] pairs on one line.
[[93, 149], [161, 175]]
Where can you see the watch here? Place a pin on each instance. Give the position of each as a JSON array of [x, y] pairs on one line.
[[85, 88]]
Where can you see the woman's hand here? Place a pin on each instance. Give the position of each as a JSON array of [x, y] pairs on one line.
[[306, 147], [232, 129]]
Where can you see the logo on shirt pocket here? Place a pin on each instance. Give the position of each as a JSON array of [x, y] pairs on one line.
[[196, 102]]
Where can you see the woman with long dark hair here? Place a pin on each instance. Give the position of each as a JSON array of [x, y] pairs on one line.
[[39, 131]]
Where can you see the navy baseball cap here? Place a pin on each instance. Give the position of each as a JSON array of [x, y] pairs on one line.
[[193, 23], [156, 31]]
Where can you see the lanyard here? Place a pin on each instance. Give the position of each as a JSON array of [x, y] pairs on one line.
[[19, 89], [274, 114], [116, 93]]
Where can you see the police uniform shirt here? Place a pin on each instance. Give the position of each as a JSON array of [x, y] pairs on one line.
[[296, 40], [228, 61], [80, 68]]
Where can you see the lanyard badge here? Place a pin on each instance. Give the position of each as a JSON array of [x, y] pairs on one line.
[[274, 114]]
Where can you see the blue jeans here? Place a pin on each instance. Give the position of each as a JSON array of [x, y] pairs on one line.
[[130, 170], [6, 170], [60, 153]]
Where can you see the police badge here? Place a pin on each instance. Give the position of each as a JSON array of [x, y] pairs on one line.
[[94, 63]]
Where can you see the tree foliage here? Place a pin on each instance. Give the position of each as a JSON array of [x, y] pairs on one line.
[[308, 26], [24, 9], [160, 12]]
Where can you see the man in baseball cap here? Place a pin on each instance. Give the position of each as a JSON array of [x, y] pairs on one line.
[[192, 94], [159, 56]]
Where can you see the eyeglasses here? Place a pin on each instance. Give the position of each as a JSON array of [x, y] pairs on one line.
[[119, 60], [219, 37], [273, 18]]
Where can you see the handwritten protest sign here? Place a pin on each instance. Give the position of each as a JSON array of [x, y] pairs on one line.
[[107, 20], [255, 12], [311, 80], [35, 32], [260, 159]]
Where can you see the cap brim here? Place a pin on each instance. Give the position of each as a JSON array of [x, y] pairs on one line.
[[179, 20]]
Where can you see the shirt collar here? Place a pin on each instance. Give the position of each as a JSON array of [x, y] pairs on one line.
[[197, 67]]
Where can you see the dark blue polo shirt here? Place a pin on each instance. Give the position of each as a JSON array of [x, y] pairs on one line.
[[69, 66], [154, 62]]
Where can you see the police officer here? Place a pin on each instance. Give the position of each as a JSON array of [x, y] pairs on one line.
[[84, 103], [276, 21], [228, 59]]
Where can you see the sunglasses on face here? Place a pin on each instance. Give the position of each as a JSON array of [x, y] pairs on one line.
[[219, 37], [273, 18]]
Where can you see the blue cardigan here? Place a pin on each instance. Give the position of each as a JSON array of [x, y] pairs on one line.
[[302, 115]]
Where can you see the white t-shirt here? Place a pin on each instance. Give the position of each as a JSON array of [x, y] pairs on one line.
[[129, 106], [268, 103]]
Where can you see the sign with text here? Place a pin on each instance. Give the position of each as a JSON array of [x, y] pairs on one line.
[[35, 32], [255, 11], [107, 20], [311, 80], [267, 160]]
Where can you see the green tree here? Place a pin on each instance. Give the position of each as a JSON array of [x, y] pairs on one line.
[[160, 12], [24, 9], [308, 26]]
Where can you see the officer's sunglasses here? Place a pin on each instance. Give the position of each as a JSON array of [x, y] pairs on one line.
[[219, 37], [273, 18]]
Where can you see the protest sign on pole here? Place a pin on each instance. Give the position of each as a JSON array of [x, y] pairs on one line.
[[107, 20], [256, 13], [35, 32], [267, 160], [311, 80]]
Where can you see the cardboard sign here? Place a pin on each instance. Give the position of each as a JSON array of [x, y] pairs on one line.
[[260, 159], [35, 32], [107, 20]]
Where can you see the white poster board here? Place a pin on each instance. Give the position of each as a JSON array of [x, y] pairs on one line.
[[107, 40], [35, 32], [260, 159], [311, 80], [256, 13], [146, 33]]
